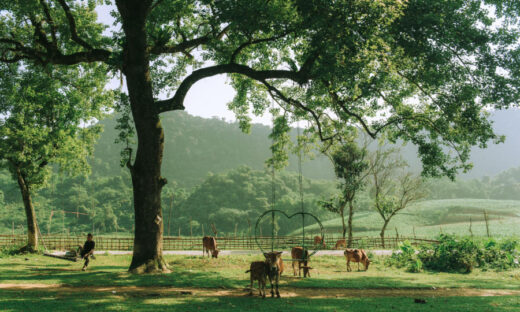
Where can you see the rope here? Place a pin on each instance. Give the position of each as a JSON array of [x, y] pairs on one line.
[[41, 236], [300, 181], [273, 192]]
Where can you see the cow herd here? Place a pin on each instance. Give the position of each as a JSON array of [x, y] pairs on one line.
[[273, 265]]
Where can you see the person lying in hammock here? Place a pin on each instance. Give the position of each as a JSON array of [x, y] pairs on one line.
[[87, 250]]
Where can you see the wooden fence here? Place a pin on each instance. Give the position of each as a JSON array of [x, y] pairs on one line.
[[65, 242]]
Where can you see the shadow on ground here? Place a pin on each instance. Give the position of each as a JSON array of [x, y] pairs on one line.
[[54, 301]]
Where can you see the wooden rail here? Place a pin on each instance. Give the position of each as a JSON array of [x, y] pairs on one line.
[[66, 242]]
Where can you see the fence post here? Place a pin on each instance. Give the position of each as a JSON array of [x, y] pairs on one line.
[[487, 222]]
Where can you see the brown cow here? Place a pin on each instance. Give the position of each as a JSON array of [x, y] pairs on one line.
[[209, 244], [259, 271], [356, 255], [272, 259], [280, 265], [341, 243], [299, 258], [318, 240]]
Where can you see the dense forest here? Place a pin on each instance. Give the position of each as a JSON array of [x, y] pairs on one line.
[[216, 176]]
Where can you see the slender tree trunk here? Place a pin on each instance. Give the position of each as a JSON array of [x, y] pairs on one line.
[[382, 234], [344, 227], [146, 169], [32, 230], [350, 216]]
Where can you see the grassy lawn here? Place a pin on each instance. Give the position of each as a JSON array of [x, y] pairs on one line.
[[42, 302], [229, 272]]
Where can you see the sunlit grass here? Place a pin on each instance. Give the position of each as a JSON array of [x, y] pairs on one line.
[[229, 272]]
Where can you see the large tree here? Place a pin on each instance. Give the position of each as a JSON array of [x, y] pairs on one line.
[[43, 122], [332, 62]]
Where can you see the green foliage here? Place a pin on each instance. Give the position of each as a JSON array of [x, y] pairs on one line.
[[239, 196], [405, 257], [44, 115], [7, 251], [350, 164], [461, 255]]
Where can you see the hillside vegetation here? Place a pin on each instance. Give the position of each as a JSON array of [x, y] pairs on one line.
[[431, 217], [216, 174]]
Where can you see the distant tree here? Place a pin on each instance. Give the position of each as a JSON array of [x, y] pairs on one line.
[[350, 165], [393, 188], [43, 114]]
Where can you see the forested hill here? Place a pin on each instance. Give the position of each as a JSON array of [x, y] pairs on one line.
[[195, 146]]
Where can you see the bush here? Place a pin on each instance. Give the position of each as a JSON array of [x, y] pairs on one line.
[[450, 255], [6, 251], [499, 256], [406, 256], [460, 255]]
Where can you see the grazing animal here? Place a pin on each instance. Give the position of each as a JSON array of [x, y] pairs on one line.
[[356, 255], [209, 244], [259, 270], [280, 265], [318, 240], [341, 243], [300, 257], [272, 259]]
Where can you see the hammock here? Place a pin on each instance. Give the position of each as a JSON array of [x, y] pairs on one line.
[[65, 257]]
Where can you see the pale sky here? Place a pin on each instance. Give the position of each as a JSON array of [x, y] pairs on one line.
[[207, 98]]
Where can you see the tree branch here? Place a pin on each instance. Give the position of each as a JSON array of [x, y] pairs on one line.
[[271, 89], [252, 42], [72, 25], [181, 47], [177, 101], [50, 21]]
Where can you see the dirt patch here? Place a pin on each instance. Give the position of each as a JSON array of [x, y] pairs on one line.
[[140, 291]]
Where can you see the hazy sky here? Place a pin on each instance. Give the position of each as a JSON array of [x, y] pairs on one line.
[[207, 98]]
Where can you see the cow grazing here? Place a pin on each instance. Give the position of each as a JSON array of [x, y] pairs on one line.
[[356, 255], [209, 245], [318, 240], [300, 257], [272, 259], [258, 272], [341, 243], [280, 265]]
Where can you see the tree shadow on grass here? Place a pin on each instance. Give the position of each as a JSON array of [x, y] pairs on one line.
[[108, 301], [421, 281], [109, 276]]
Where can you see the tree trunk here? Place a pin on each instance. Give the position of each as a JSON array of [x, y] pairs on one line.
[[350, 216], [146, 169], [32, 230], [344, 227], [382, 234]]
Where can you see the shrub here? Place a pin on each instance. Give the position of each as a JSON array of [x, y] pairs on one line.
[[450, 255], [461, 255], [6, 251], [406, 257]]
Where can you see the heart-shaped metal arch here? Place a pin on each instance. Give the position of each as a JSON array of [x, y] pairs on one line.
[[274, 211]]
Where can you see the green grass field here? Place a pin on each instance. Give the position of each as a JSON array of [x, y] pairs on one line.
[[47, 284], [429, 218]]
